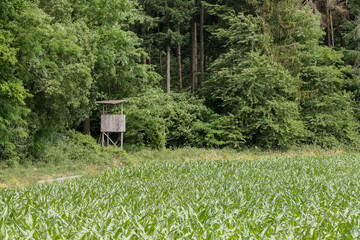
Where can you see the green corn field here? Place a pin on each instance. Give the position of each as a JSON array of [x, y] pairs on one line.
[[278, 198]]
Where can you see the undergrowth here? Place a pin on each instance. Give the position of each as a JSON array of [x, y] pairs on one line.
[[65, 154]]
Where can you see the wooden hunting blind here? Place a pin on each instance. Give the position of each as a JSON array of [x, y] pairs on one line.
[[111, 122]]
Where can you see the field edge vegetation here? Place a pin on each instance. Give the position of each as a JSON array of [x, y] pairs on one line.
[[77, 154]]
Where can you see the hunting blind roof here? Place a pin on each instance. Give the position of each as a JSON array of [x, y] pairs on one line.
[[113, 102]]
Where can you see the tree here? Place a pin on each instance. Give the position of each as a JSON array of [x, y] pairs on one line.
[[259, 92], [172, 19], [68, 53], [54, 62], [12, 92], [194, 54], [285, 37], [202, 43], [333, 12], [326, 107]]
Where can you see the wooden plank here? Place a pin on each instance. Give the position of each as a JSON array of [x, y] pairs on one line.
[[108, 137], [113, 123], [122, 140]]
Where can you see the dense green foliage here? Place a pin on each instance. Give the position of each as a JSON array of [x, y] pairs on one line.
[[66, 55], [281, 198], [162, 120], [73, 147], [326, 105], [12, 93], [271, 74], [259, 92], [280, 82], [159, 120]]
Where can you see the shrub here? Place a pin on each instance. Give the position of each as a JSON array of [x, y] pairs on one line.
[[225, 131], [162, 120], [74, 147]]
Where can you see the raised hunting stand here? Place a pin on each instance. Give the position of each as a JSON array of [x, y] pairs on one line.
[[111, 123]]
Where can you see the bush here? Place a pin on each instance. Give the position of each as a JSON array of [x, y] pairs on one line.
[[160, 120], [74, 147], [224, 131]]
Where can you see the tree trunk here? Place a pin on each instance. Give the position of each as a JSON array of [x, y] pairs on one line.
[[263, 16], [149, 53], [109, 86], [160, 63], [179, 62], [161, 68], [143, 59], [194, 67], [332, 30], [168, 69], [168, 62], [202, 45], [86, 126], [328, 23]]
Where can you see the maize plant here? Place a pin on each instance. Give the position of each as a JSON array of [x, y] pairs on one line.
[[277, 198]]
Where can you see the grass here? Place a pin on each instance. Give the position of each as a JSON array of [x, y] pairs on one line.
[[276, 197], [196, 154], [57, 164], [30, 174], [66, 154]]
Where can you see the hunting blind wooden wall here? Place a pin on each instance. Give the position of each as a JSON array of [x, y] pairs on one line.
[[111, 123]]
